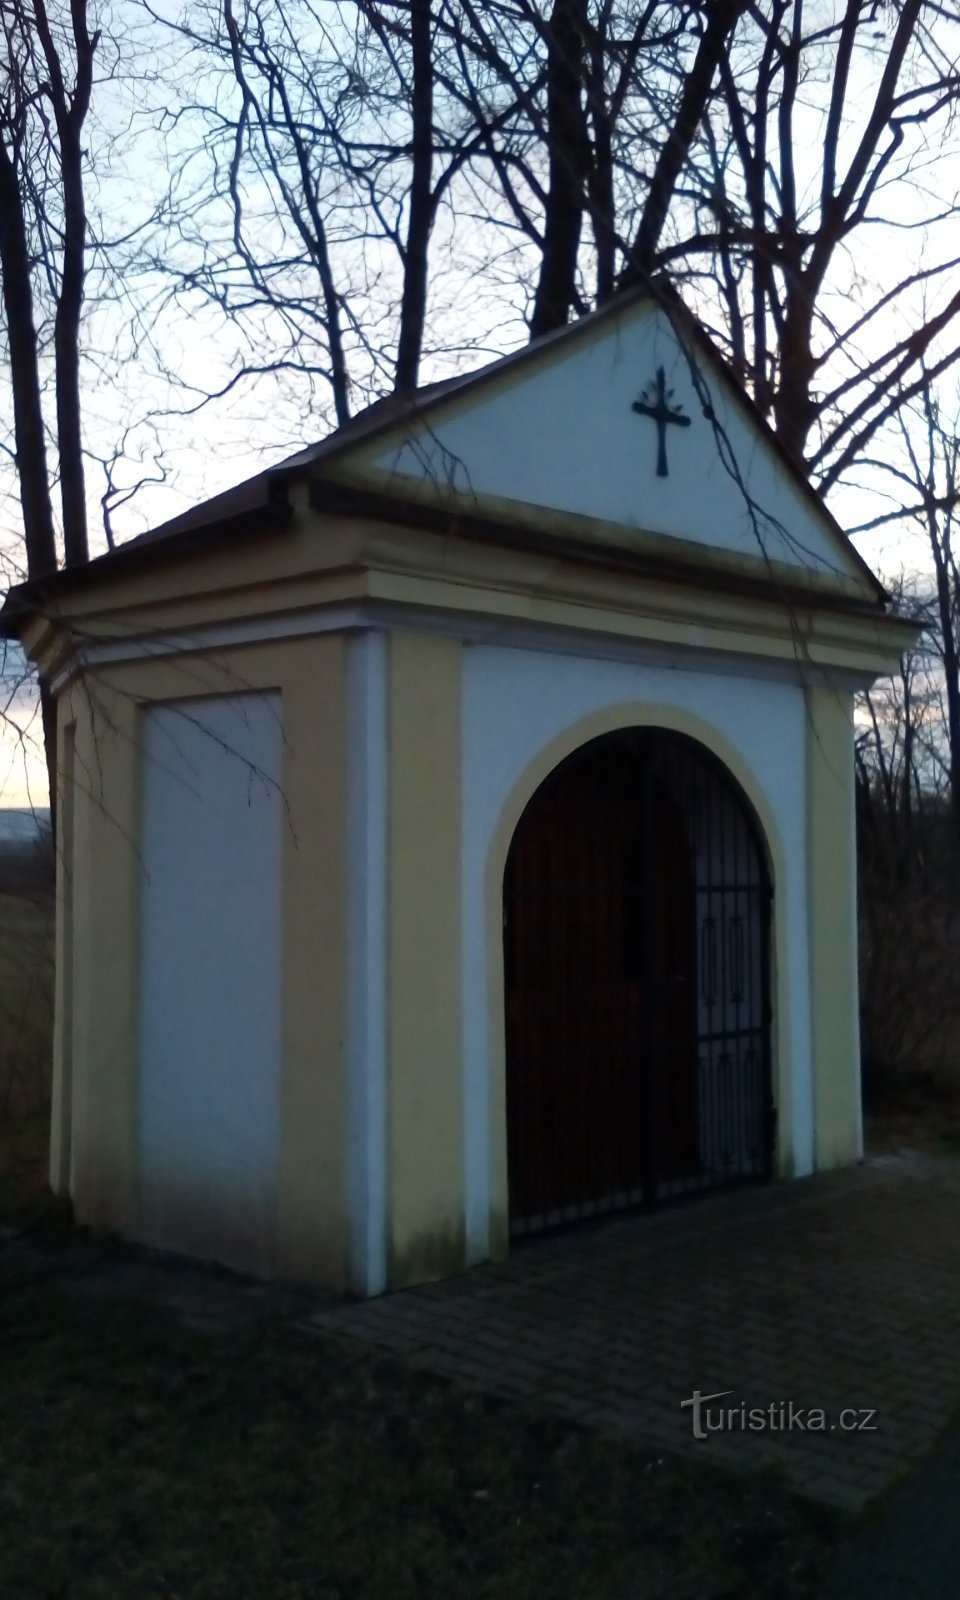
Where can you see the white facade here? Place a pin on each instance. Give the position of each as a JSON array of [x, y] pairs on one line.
[[282, 1031], [517, 702], [210, 974]]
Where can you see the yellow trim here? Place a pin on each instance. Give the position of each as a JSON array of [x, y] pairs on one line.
[[312, 1220], [831, 885], [323, 562], [629, 714], [61, 1089], [425, 1177], [600, 604], [105, 956]]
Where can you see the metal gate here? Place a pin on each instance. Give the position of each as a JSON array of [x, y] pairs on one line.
[[637, 973]]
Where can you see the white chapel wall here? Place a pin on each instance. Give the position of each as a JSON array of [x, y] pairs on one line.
[[516, 702], [212, 818]]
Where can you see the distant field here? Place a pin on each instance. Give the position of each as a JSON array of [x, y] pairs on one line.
[[26, 977]]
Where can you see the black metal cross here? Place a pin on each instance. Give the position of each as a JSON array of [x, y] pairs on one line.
[[657, 405]]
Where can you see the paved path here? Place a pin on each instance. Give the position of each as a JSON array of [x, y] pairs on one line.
[[840, 1293]]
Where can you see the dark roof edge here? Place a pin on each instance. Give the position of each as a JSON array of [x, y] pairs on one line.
[[189, 532]]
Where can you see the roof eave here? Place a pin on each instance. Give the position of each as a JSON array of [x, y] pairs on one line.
[[37, 596], [337, 497]]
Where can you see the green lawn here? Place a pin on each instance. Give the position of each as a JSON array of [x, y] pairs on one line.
[[138, 1459]]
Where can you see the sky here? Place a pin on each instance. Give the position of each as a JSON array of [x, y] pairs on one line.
[[177, 348]]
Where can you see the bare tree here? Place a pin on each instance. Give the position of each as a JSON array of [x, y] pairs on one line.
[[923, 482], [907, 857], [937, 474], [908, 768], [349, 143], [777, 224], [386, 187], [44, 100], [746, 149]]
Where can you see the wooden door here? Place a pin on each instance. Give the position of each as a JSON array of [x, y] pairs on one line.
[[600, 955]]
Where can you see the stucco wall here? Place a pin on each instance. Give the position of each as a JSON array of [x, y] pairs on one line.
[[209, 1044], [178, 1068], [377, 1135]]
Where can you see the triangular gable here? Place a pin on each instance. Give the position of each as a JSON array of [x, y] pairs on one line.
[[555, 428]]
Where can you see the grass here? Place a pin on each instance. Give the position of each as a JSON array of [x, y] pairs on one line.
[[139, 1460], [26, 1025]]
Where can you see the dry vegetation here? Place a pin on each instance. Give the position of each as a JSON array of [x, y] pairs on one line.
[[909, 865], [26, 979]]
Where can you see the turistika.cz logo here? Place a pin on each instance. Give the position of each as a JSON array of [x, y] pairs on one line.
[[778, 1416]]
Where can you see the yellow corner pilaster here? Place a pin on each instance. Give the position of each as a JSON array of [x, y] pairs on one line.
[[831, 869], [312, 1224], [425, 1145], [103, 989], [61, 1089]]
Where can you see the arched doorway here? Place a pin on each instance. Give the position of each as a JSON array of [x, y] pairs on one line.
[[636, 959]]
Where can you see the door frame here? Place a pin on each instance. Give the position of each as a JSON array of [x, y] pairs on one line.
[[703, 867], [487, 1198]]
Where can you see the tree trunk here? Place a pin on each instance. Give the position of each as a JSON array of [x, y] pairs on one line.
[[31, 449], [950, 656], [568, 155], [66, 340], [70, 110], [600, 181], [794, 409], [722, 16], [413, 305]]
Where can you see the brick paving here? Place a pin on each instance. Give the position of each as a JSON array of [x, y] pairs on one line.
[[834, 1292]]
